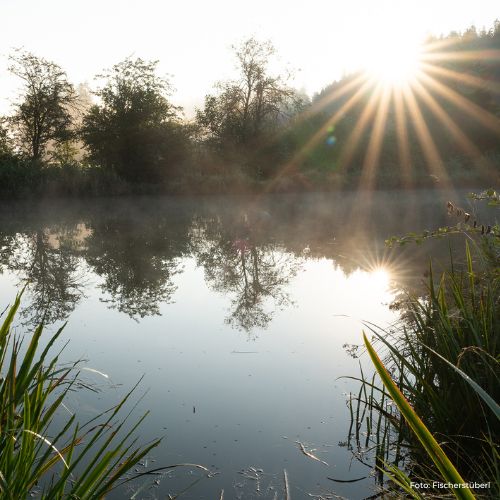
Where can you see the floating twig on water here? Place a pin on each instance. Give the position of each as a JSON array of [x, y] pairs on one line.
[[285, 480], [309, 454]]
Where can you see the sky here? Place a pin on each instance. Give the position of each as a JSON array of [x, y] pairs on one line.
[[319, 40]]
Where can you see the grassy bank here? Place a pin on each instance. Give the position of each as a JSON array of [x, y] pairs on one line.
[[21, 179]]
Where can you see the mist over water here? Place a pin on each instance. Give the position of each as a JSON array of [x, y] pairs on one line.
[[239, 312]]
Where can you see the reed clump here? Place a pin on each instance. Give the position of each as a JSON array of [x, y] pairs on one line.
[[444, 357], [73, 461]]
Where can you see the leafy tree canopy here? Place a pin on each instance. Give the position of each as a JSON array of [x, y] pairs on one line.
[[135, 129], [253, 104], [42, 113]]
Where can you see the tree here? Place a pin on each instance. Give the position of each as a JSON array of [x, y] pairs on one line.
[[43, 112], [5, 149], [135, 131], [247, 109]]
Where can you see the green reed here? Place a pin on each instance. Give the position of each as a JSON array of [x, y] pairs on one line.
[[448, 471], [78, 461]]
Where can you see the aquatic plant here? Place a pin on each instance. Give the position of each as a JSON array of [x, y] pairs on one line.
[[444, 358], [73, 461], [446, 468]]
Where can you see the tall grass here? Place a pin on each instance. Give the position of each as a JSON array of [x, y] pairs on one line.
[[76, 461]]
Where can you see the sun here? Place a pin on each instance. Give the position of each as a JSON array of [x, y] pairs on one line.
[[393, 62]]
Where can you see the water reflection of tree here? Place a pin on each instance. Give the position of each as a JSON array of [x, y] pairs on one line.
[[137, 259], [136, 245], [49, 264], [252, 272]]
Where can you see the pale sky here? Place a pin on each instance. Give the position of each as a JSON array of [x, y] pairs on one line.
[[320, 39]]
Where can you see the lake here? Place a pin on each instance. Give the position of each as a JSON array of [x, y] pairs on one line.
[[240, 313]]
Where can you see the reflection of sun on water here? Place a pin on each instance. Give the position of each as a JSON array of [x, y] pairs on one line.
[[379, 278]]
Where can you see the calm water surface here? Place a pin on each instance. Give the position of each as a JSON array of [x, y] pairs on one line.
[[238, 312]]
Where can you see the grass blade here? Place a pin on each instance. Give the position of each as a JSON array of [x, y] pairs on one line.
[[435, 452]]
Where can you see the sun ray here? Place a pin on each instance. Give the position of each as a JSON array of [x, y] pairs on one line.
[[360, 126], [310, 112], [402, 137], [322, 103], [487, 119], [372, 156], [320, 133], [467, 146], [471, 80], [333, 120], [333, 96], [463, 55], [431, 153], [359, 216]]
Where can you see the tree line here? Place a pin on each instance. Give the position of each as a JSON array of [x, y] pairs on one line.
[[253, 130]]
